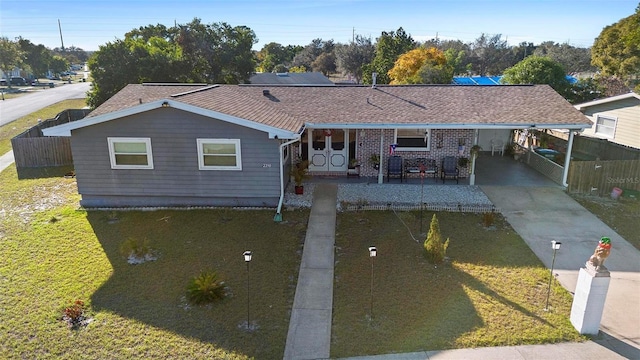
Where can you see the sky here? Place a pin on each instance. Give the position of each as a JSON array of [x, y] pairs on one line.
[[88, 24]]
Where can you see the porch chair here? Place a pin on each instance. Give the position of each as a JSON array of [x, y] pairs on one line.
[[394, 167], [497, 145], [449, 168]]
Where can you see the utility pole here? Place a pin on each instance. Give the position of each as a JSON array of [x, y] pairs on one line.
[[60, 29]]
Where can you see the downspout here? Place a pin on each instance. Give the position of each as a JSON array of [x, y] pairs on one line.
[[567, 160], [278, 216], [380, 178]]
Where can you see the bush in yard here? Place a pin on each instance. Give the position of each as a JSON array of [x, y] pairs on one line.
[[137, 251], [436, 249], [74, 315], [205, 288]]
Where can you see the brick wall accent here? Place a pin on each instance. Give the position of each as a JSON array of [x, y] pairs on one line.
[[444, 142]]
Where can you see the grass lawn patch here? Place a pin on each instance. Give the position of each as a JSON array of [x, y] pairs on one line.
[[19, 126], [491, 292], [52, 254], [621, 215]]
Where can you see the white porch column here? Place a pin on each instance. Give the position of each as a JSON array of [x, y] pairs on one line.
[[472, 177], [567, 160], [380, 178]]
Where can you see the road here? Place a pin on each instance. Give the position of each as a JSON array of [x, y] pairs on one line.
[[12, 109]]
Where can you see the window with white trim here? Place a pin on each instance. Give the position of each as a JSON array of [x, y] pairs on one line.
[[219, 154], [606, 125], [130, 153], [413, 139]]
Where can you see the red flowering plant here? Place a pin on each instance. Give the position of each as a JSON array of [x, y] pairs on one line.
[[74, 315]]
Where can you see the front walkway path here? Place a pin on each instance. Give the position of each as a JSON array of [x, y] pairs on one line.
[[6, 160], [309, 335], [542, 214]]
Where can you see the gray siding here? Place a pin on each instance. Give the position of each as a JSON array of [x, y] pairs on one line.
[[175, 179]]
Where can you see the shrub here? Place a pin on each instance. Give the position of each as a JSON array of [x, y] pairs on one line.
[[74, 315], [205, 288], [137, 251], [436, 249], [488, 219]]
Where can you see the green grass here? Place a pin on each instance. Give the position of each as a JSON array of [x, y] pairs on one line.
[[52, 254], [492, 291], [17, 127], [622, 215]]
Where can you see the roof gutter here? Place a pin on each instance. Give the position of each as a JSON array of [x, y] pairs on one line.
[[278, 216], [446, 126]]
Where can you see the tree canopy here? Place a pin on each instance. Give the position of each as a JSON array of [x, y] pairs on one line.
[[389, 46], [616, 51], [193, 52], [11, 56], [421, 66], [537, 70], [353, 57]]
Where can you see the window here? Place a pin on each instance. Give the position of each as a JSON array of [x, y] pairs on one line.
[[130, 153], [413, 139], [606, 126], [219, 154]]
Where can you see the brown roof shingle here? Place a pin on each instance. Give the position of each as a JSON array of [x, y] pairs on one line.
[[445, 105]]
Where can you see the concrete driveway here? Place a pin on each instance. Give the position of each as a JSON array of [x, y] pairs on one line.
[[542, 214]]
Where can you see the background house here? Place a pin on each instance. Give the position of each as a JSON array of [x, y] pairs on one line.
[[616, 119]]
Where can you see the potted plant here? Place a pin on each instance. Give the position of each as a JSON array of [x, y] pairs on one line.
[[475, 151], [354, 167], [463, 161], [375, 161], [299, 173]]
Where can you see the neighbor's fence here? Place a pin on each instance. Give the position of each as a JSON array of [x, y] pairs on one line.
[[600, 177], [32, 149], [604, 149]]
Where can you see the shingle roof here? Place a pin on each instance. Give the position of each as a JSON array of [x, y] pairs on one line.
[[433, 105], [307, 78]]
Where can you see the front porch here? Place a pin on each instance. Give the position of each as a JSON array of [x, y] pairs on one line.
[[490, 170]]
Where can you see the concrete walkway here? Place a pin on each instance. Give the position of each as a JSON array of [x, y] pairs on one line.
[[309, 335], [6, 160]]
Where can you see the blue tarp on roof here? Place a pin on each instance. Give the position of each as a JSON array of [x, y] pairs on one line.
[[490, 80]]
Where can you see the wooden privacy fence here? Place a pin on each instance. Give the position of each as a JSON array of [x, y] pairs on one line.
[[42, 151], [600, 177], [32, 149]]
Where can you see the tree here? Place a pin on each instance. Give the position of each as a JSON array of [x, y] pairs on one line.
[[353, 57], [37, 57], [325, 63], [616, 51], [572, 59], [436, 250], [389, 46], [491, 55], [310, 52], [11, 57], [58, 64], [270, 55], [217, 53], [421, 66], [133, 61], [194, 52], [537, 70], [458, 55]]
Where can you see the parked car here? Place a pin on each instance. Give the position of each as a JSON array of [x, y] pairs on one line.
[[15, 80]]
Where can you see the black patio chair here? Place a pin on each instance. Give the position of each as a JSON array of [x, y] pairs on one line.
[[449, 168], [394, 168]]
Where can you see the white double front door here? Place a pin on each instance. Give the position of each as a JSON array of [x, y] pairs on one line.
[[328, 149]]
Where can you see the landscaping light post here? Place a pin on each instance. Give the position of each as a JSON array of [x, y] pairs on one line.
[[555, 245], [372, 255], [247, 259]]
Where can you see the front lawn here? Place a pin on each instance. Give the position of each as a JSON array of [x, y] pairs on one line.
[[621, 215], [52, 254], [492, 292]]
